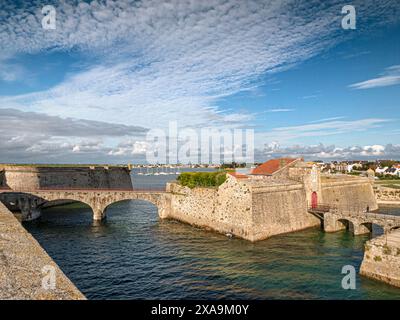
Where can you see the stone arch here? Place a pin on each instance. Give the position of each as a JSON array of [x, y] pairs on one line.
[[144, 199], [362, 228], [375, 227], [28, 202], [61, 202], [346, 224], [54, 201], [368, 225], [101, 206]]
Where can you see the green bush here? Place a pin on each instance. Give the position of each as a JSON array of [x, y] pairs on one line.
[[202, 179]]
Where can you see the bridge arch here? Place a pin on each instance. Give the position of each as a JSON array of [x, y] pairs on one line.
[[30, 203], [136, 201], [346, 224], [368, 225], [150, 198]]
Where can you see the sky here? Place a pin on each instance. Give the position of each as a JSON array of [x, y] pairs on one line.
[[90, 90]]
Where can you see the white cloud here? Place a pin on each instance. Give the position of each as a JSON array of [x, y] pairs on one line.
[[390, 77], [327, 119], [153, 62], [159, 61], [375, 150], [320, 129], [280, 110], [11, 72], [329, 152]]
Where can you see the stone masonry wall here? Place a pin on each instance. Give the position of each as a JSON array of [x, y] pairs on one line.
[[2, 179], [387, 194], [382, 259], [30, 177], [226, 209], [280, 209], [349, 193], [236, 208], [22, 260]]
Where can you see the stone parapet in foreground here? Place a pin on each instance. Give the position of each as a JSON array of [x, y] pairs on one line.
[[24, 264], [382, 258]]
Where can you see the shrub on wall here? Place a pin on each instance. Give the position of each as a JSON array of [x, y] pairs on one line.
[[202, 179]]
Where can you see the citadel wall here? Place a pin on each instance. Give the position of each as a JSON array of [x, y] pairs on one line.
[[37, 177], [387, 195], [237, 208], [227, 209], [349, 192]]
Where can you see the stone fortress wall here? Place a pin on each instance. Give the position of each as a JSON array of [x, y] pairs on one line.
[[227, 209], [350, 192], [382, 258], [24, 263], [280, 209], [259, 207], [25, 178], [242, 210], [387, 195], [37, 177]]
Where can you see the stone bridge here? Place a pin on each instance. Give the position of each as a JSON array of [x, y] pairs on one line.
[[97, 199], [356, 220]]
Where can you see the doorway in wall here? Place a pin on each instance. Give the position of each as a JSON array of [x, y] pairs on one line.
[[314, 200]]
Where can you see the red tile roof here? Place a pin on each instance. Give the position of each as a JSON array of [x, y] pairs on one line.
[[238, 175], [271, 166]]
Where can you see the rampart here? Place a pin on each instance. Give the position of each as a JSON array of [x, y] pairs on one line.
[[243, 209], [382, 258], [387, 195], [348, 191], [39, 177], [25, 268]]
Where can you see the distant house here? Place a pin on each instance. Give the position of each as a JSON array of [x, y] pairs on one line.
[[381, 170], [393, 171], [342, 166]]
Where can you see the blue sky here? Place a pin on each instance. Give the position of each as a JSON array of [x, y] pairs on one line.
[[285, 68]]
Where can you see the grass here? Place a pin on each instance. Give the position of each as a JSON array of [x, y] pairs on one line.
[[392, 186], [387, 181], [202, 179]]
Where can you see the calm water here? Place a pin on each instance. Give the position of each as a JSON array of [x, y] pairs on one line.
[[134, 255]]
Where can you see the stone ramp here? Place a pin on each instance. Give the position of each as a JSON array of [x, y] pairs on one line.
[[22, 260]]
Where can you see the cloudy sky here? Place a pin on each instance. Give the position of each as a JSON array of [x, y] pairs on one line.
[[90, 90]]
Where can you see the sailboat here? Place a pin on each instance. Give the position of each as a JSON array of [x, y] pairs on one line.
[[140, 173], [162, 171], [156, 173], [168, 172]]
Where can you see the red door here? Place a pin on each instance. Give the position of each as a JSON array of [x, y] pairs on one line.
[[314, 200]]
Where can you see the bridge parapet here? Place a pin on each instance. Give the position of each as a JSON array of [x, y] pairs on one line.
[[359, 222]]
